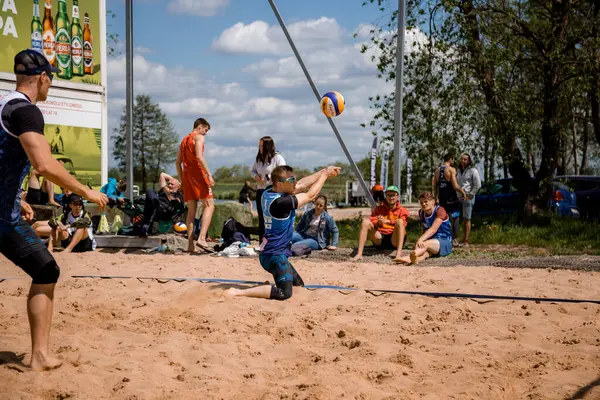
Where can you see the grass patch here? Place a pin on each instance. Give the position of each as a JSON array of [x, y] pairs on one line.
[[560, 236], [506, 238]]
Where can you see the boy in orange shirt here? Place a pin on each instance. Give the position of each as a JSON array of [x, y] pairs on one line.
[[386, 227]]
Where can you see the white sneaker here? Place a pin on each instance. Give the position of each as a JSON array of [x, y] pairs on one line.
[[232, 251], [247, 252]]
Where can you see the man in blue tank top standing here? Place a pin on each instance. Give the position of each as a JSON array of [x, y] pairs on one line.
[[23, 144], [279, 204], [445, 189]]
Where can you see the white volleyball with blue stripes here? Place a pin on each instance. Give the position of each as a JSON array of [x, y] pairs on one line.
[[332, 104]]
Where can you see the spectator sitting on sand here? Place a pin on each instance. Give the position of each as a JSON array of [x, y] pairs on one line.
[[386, 227], [316, 228], [73, 229], [436, 240]]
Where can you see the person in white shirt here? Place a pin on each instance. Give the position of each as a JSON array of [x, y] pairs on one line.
[[470, 182], [267, 159]]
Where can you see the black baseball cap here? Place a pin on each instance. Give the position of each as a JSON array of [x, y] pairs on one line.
[[74, 197], [31, 62]]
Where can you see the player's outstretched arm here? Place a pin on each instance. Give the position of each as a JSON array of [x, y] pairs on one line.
[[315, 188]]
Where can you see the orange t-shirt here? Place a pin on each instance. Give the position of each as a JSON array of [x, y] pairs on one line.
[[391, 214]]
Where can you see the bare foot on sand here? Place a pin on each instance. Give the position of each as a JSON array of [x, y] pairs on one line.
[[402, 260], [413, 258], [40, 362]]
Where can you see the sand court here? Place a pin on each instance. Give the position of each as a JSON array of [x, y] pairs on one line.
[[130, 339]]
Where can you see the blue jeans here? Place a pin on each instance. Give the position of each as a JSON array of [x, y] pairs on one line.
[[305, 240]]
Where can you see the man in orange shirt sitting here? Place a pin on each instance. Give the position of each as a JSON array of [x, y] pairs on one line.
[[386, 227]]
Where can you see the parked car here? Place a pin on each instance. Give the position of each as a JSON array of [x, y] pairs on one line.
[[502, 197], [587, 189]]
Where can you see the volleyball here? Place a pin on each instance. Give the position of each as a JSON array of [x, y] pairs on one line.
[[180, 227], [332, 104]]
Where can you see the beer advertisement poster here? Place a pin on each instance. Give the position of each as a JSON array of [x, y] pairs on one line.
[[67, 32]]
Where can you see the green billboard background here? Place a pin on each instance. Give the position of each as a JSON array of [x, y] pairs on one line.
[[15, 32], [79, 149]]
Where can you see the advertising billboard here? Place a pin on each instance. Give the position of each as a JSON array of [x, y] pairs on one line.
[[73, 130], [67, 32]]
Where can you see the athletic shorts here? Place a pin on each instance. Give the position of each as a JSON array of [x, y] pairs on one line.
[[445, 247], [453, 209], [467, 208], [23, 247], [81, 247], [387, 244], [195, 186]]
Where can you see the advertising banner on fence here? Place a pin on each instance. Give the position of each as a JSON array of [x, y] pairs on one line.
[[73, 130], [63, 30]]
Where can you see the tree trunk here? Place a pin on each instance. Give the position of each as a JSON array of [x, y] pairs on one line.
[[584, 145], [486, 153], [492, 172], [562, 165], [574, 142]]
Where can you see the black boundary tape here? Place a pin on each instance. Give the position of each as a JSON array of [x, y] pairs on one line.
[[342, 289], [480, 296]]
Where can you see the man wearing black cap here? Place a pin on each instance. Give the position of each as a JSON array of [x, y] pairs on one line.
[[22, 144]]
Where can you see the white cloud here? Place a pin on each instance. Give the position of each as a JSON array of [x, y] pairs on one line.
[[363, 31], [268, 97], [201, 8], [258, 37]]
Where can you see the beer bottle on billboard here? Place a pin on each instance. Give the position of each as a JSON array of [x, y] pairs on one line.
[[88, 47], [48, 36], [63, 41], [76, 41], [36, 28]]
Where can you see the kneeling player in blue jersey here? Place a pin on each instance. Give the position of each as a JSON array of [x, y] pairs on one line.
[[279, 204]]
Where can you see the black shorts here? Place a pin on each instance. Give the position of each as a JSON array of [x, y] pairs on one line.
[[24, 248], [81, 247], [387, 244], [453, 209], [36, 196]]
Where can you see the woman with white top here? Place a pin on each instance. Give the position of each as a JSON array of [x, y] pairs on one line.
[[267, 160]]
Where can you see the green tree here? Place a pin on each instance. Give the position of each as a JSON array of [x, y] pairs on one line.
[[154, 141], [496, 78]]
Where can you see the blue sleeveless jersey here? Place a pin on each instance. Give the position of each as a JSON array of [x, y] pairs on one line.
[[278, 232], [443, 232], [14, 167]]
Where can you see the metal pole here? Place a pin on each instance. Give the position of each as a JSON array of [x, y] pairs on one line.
[[399, 87], [318, 96], [129, 96]]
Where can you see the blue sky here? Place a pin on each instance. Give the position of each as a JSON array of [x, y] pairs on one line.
[[228, 61]]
